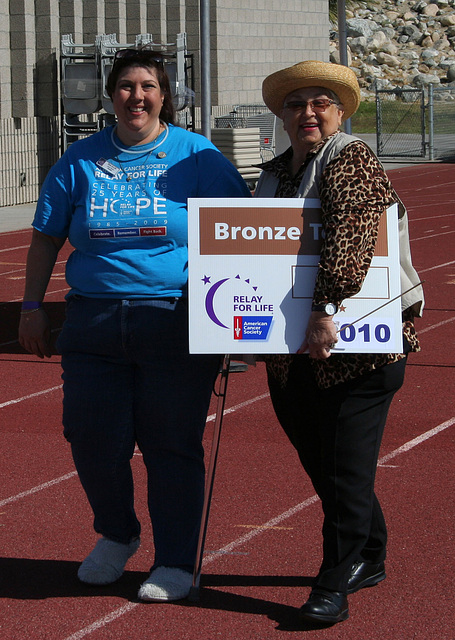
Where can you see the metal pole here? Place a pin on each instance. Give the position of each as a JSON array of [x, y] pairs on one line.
[[205, 68], [430, 121], [379, 139], [341, 10], [194, 591]]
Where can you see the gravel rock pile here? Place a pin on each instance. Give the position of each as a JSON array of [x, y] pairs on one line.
[[400, 43]]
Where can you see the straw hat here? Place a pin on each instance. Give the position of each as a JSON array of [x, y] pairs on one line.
[[312, 73]]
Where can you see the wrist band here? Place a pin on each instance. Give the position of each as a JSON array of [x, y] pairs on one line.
[[31, 306], [24, 313]]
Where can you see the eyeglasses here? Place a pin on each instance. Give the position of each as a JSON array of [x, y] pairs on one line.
[[319, 105], [141, 55]]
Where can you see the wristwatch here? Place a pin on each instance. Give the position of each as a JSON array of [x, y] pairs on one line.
[[330, 308]]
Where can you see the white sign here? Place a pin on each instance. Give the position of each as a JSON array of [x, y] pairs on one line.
[[252, 268]]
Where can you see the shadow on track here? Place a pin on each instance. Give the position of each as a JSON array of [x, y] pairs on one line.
[[29, 579], [285, 616]]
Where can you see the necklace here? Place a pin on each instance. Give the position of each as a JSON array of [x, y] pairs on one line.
[[140, 152], [129, 176]]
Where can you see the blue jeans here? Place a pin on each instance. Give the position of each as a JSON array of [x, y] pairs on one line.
[[128, 378]]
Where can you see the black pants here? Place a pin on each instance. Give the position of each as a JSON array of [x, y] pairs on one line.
[[337, 433]]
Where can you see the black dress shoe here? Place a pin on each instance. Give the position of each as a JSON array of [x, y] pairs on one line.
[[365, 574], [327, 607]]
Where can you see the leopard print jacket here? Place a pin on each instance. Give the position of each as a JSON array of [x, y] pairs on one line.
[[354, 192]]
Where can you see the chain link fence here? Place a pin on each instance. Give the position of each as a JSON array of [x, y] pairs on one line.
[[416, 123], [441, 123], [400, 123]]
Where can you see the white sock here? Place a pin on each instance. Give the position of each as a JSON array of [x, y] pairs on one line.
[[106, 563], [166, 584]]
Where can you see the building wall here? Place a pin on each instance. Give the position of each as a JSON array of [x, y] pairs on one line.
[[253, 41], [248, 42]]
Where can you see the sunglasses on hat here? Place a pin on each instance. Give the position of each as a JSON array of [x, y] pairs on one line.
[[140, 55]]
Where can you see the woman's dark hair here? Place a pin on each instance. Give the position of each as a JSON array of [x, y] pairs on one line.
[[148, 59], [333, 96]]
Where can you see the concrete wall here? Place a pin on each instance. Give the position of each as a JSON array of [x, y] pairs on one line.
[[250, 39]]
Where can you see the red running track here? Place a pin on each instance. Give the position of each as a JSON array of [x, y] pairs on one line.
[[263, 543]]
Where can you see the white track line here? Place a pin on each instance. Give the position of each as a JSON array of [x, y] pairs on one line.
[[117, 613], [434, 235], [25, 246], [436, 326], [40, 487], [21, 269], [102, 622], [48, 294], [68, 476], [273, 522], [443, 215], [31, 395], [438, 266], [15, 231], [418, 440], [236, 407], [306, 503]]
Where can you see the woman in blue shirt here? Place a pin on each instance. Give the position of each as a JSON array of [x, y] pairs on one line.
[[120, 198]]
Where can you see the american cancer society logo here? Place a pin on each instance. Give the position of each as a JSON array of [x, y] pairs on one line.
[[236, 305]]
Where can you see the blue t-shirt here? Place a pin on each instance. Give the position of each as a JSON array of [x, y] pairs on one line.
[[125, 214]]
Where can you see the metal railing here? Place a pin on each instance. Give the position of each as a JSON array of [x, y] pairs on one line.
[[252, 115]]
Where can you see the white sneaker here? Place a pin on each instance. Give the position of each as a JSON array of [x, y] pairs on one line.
[[166, 584], [106, 563]]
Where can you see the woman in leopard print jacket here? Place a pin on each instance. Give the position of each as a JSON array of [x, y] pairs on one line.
[[334, 408]]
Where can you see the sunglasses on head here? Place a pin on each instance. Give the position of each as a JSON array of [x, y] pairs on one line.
[[141, 55], [319, 105]]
